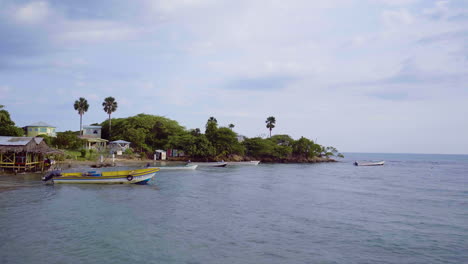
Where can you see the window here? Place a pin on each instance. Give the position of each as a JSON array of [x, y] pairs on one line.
[[30, 129], [36, 129], [43, 129]]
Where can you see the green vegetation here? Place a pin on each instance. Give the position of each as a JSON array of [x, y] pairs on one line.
[[149, 132], [81, 105], [110, 106], [7, 126]]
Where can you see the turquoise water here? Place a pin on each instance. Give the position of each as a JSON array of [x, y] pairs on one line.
[[412, 210]]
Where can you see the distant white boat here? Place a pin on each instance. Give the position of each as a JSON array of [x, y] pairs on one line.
[[252, 162], [380, 163], [171, 168], [209, 164]]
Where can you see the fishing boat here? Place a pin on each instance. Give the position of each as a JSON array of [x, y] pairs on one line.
[[252, 162], [209, 164], [140, 176], [171, 168], [380, 163]]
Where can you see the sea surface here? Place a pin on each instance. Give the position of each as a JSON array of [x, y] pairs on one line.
[[414, 209]]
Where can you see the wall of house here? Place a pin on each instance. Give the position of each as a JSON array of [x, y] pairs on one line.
[[91, 132], [35, 131]]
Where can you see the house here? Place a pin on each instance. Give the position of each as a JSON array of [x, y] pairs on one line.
[[24, 153], [119, 146], [92, 131], [40, 128], [92, 136]]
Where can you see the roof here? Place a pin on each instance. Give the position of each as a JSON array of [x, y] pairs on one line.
[[92, 127], [14, 141], [24, 144], [40, 124], [94, 139], [160, 151], [119, 142]]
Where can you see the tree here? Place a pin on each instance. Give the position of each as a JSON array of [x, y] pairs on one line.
[[210, 129], [110, 106], [81, 105], [69, 140], [231, 126], [7, 126], [306, 148], [271, 121]]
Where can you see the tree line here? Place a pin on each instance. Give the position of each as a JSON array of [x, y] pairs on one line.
[[150, 132]]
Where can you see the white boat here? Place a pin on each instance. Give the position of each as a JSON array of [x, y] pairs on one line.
[[209, 164], [380, 163], [139, 176], [171, 168], [252, 162]]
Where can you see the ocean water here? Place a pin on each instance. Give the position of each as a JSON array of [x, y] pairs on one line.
[[412, 210]]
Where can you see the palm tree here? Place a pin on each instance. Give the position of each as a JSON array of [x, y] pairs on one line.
[[110, 106], [231, 126], [212, 119], [271, 121], [81, 105]]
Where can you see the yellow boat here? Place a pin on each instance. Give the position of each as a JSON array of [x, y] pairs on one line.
[[140, 176]]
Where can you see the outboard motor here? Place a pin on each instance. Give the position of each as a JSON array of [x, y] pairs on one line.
[[50, 175]]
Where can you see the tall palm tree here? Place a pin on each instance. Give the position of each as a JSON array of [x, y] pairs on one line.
[[110, 106], [231, 126], [81, 105], [271, 121]]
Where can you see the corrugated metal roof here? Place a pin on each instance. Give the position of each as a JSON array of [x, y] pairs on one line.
[[92, 127], [38, 140], [40, 124], [15, 141]]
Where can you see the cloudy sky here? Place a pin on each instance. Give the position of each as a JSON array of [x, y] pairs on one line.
[[361, 75]]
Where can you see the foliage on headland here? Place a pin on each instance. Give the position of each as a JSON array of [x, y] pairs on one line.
[[149, 132]]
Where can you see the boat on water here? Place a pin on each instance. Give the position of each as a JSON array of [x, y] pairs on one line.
[[252, 162], [139, 176], [379, 163], [209, 164], [171, 168]]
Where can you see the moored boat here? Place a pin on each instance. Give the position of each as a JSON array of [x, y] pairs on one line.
[[140, 176], [209, 164], [252, 162], [171, 168], [380, 163]]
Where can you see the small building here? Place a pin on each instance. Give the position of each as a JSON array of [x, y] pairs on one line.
[[40, 128], [92, 131], [24, 153], [160, 154], [119, 146]]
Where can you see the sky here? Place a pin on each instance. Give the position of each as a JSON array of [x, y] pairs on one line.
[[360, 75]]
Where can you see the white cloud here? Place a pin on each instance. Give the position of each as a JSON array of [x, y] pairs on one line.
[[32, 13]]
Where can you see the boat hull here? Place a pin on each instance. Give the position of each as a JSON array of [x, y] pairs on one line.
[[242, 163], [171, 168], [369, 163], [209, 164], [116, 177]]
